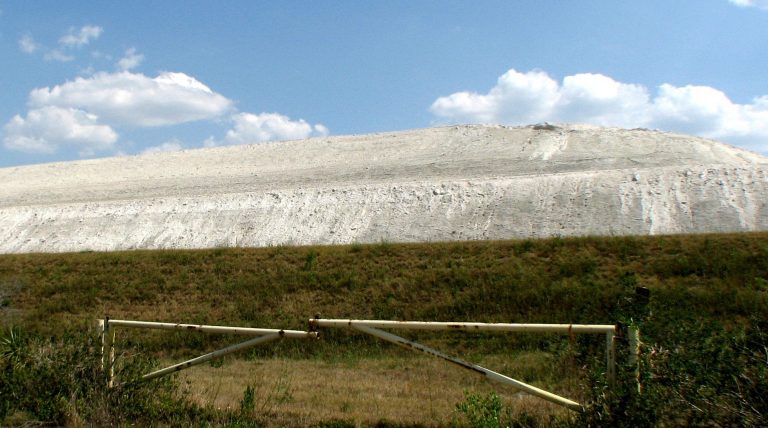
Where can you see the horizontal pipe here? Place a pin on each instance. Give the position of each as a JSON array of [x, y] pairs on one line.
[[211, 328], [467, 326], [215, 354], [490, 374]]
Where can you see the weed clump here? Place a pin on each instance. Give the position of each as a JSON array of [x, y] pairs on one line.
[[60, 381]]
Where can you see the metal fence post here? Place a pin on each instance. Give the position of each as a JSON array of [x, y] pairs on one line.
[[639, 313], [610, 357], [107, 350], [634, 354], [100, 332]]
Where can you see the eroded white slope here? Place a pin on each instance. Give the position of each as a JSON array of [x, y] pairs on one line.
[[453, 183]]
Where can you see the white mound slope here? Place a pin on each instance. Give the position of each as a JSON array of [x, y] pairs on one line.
[[451, 183]]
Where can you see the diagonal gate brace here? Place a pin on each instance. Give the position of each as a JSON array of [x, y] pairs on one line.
[[215, 354], [264, 335], [490, 374]]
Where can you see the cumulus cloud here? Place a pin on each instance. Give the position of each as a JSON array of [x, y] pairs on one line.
[[46, 129], [84, 113], [534, 89], [78, 38], [173, 145], [534, 96], [258, 128], [27, 44], [135, 100], [130, 60], [598, 99], [523, 98], [762, 4]]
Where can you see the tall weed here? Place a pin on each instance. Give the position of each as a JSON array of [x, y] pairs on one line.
[[60, 381]]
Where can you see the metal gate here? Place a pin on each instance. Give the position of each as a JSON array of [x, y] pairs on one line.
[[371, 327]]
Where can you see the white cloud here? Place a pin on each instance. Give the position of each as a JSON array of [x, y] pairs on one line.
[[47, 129], [84, 112], [27, 44], [173, 145], [130, 60], [79, 38], [87, 71], [211, 142], [257, 128], [57, 55], [135, 100], [73, 39], [762, 4], [535, 90], [693, 109], [523, 98], [600, 100], [320, 130]]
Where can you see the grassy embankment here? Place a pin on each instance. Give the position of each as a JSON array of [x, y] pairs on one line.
[[708, 293]]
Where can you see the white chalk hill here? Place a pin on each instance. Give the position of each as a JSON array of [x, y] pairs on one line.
[[440, 184]]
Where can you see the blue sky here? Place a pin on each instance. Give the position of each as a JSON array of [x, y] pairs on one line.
[[92, 79]]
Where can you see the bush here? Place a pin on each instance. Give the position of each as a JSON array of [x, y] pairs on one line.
[[708, 375], [481, 412], [60, 382]]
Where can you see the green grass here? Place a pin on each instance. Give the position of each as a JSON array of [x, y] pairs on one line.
[[720, 280], [582, 280]]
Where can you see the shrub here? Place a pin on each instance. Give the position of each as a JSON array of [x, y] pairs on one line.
[[481, 411], [60, 381], [707, 375]]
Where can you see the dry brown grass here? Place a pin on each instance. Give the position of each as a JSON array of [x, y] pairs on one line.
[[406, 389]]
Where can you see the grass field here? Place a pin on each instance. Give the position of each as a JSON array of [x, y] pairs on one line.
[[706, 318]]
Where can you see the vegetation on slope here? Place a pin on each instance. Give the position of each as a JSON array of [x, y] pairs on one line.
[[704, 324]]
